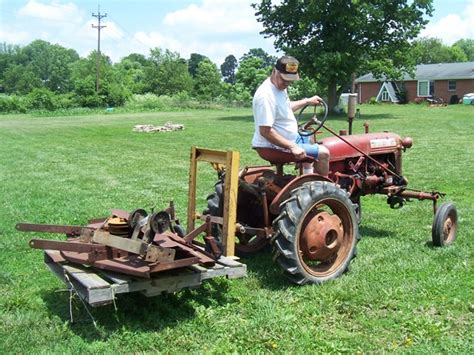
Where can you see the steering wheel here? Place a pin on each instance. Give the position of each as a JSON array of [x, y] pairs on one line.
[[306, 128]]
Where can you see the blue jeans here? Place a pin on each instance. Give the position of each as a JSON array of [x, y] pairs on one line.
[[310, 149]]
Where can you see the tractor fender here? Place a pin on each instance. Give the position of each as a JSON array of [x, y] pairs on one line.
[[286, 191]]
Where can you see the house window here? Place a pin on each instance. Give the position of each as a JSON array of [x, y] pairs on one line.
[[424, 88], [385, 95], [452, 85]]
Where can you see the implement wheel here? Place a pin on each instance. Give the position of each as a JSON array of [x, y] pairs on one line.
[[316, 233], [443, 231]]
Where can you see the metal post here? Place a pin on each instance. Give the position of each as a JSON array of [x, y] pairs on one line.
[[97, 62]]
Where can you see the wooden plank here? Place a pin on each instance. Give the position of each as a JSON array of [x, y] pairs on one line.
[[229, 262], [191, 217], [86, 277], [99, 287], [230, 202], [94, 297], [211, 155], [173, 283]]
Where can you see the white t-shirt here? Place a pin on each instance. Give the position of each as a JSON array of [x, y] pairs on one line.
[[271, 107]]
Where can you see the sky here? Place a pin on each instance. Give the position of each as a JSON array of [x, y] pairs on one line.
[[214, 28]]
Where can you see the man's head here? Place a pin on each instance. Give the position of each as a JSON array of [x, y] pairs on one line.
[[288, 68], [285, 72]]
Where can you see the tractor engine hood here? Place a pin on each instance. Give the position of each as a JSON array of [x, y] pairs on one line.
[[369, 143]]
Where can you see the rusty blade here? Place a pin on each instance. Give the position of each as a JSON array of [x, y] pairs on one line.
[[131, 265], [53, 228], [65, 246]]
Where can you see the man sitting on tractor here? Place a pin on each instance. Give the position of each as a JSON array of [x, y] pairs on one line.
[[275, 123]]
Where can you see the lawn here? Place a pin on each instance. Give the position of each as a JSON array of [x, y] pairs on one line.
[[401, 293]]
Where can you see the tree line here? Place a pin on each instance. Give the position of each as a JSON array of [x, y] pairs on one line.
[[334, 44], [48, 76]]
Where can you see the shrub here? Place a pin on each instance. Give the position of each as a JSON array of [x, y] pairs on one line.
[[42, 99], [13, 104], [373, 101]]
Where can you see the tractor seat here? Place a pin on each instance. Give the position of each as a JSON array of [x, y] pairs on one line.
[[279, 157]]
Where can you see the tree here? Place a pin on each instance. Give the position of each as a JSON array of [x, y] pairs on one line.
[[207, 82], [432, 50], [112, 90], [228, 69], [336, 39], [8, 55], [46, 66], [467, 46], [252, 73], [267, 60], [51, 64], [193, 63], [20, 79], [132, 72], [168, 73]]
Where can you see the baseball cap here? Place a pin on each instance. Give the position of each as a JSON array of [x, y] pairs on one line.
[[288, 68]]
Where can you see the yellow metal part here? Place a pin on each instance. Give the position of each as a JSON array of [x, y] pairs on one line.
[[230, 161]]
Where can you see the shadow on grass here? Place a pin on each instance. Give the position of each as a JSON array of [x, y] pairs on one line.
[[370, 232], [262, 267], [135, 312]]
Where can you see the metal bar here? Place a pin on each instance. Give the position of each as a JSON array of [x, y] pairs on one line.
[[150, 252], [132, 246], [65, 246], [174, 264], [53, 228], [420, 195], [194, 233]]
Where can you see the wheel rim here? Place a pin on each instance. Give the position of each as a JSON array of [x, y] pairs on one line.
[[326, 236], [449, 228]]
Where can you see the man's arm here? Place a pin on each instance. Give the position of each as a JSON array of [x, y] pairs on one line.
[[273, 137], [299, 104]]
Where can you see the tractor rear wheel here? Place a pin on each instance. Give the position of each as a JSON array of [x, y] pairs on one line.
[[249, 212], [316, 233], [443, 231]]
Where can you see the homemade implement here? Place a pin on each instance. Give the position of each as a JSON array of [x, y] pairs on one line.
[[133, 251]]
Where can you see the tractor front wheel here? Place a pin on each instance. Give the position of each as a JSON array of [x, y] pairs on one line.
[[316, 233], [443, 231]]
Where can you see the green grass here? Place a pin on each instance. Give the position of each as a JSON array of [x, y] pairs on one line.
[[401, 294]]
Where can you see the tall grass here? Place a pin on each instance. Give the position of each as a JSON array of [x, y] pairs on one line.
[[401, 294]]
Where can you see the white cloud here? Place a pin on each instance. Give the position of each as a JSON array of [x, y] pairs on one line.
[[156, 39], [216, 16], [214, 28], [56, 11], [452, 27], [14, 37]]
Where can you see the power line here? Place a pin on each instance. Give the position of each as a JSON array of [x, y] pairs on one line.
[[97, 65]]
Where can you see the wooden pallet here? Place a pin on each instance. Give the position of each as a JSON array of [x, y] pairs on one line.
[[99, 287]]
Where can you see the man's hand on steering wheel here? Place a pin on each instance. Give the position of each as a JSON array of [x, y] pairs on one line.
[[313, 101], [315, 123]]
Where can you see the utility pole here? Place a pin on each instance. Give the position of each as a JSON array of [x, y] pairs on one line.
[[97, 65]]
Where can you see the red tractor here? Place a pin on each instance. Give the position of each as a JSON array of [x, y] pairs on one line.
[[312, 221]]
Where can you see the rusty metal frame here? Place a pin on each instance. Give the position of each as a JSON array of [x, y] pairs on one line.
[[230, 160]]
